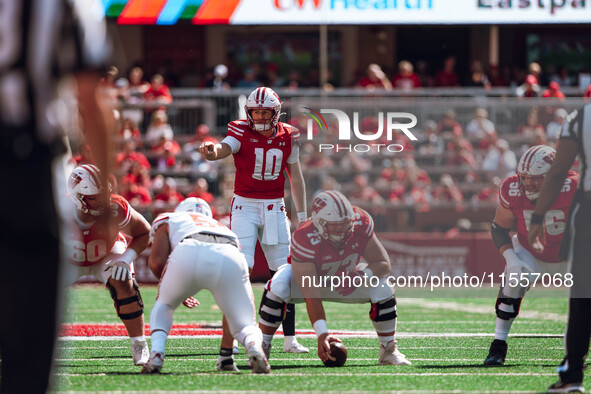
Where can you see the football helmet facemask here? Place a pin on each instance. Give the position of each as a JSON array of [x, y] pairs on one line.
[[532, 168], [333, 216], [265, 99], [85, 186], [194, 204]]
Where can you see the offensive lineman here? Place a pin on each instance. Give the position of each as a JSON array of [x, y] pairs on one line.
[[192, 251], [332, 244], [518, 195], [264, 149], [105, 254]]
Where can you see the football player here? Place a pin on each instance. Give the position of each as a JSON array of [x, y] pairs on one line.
[[99, 248], [332, 244], [517, 199], [192, 251], [264, 151]]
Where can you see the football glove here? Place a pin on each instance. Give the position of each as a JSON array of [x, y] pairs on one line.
[[120, 270], [191, 302]]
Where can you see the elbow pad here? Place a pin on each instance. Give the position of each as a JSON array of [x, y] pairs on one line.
[[500, 235]]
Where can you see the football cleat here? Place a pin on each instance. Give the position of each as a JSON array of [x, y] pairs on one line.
[[154, 364], [497, 353], [560, 387], [226, 364], [256, 358], [390, 355], [295, 347], [140, 352]]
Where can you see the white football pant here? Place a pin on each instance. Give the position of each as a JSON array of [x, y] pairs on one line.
[[266, 220]]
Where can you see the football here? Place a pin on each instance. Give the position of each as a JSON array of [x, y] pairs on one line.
[[339, 352]]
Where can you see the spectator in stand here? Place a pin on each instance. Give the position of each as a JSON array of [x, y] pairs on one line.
[[200, 190], [129, 155], [202, 134], [477, 77], [137, 174], [129, 131], [461, 156], [539, 138], [500, 158], [415, 175], [449, 126], [447, 192], [553, 91], [158, 128], [447, 77], [354, 162], [137, 195], [169, 193], [364, 194], [532, 124], [495, 77], [489, 195], [480, 126], [219, 81], [166, 151], [529, 88], [137, 85], [535, 69], [406, 79], [319, 160], [133, 94], [463, 225], [294, 81], [84, 156], [249, 80], [430, 142], [562, 77], [273, 80], [555, 126], [375, 79], [425, 78], [158, 92]]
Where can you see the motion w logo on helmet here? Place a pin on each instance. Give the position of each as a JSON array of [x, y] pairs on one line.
[[345, 130]]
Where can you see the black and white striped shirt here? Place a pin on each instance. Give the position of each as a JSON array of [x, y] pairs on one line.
[[578, 127], [41, 41]]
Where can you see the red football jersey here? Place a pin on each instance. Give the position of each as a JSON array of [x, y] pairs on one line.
[[510, 197], [308, 246], [260, 161], [89, 245]]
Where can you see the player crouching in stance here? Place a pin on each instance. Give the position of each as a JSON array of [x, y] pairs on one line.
[[192, 251], [518, 196], [332, 243], [99, 248]]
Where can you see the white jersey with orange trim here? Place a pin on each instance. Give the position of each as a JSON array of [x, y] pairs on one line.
[[184, 224]]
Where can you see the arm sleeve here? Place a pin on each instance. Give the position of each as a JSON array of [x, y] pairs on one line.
[[233, 142], [295, 154]]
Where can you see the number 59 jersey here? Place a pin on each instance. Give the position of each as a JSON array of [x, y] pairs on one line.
[[87, 245], [513, 199], [260, 161]]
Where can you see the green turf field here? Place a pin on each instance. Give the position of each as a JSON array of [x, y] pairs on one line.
[[446, 338]]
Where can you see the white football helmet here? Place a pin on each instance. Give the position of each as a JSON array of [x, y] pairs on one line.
[[85, 182], [263, 98], [333, 216], [532, 168], [194, 204]]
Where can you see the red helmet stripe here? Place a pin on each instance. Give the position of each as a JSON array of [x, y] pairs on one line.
[[93, 171], [529, 157], [338, 201]]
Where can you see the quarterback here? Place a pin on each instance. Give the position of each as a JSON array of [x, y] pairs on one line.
[[99, 248], [332, 244], [264, 151], [192, 251], [517, 199]]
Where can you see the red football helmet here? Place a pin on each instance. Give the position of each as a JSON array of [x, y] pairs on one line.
[[333, 216], [263, 98], [532, 168]]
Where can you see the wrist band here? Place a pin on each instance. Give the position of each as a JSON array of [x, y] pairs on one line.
[[368, 272], [128, 256], [320, 327], [536, 219], [302, 216]]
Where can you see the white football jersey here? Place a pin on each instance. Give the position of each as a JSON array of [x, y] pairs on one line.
[[183, 224]]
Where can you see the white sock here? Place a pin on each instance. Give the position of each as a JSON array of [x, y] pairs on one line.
[[158, 341], [502, 328], [140, 338], [289, 340], [384, 340], [267, 338]]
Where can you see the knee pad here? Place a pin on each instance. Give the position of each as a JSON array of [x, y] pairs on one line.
[[507, 308], [137, 297], [272, 310], [383, 310]]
